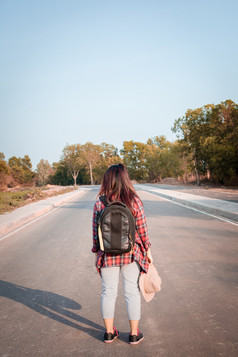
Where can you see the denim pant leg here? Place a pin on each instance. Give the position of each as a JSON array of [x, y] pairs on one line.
[[110, 279], [130, 274]]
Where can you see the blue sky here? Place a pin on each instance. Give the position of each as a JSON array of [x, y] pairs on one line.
[[109, 71]]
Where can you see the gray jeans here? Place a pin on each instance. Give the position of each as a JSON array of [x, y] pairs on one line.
[[110, 279]]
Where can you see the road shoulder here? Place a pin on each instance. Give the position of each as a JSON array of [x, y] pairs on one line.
[[13, 220], [213, 206]]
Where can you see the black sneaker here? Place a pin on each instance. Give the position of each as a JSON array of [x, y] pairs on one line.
[[135, 339], [110, 337]]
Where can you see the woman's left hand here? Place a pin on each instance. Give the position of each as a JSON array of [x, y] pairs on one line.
[[149, 256], [96, 258]]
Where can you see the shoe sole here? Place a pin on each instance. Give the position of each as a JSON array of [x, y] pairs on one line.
[[110, 341], [136, 343]]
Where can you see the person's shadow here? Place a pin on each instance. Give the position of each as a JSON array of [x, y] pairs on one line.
[[51, 305]]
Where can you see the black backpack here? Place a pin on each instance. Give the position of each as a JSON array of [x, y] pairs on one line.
[[116, 228]]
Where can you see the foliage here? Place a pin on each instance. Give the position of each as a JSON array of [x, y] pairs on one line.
[[73, 159], [84, 163], [156, 159], [21, 169], [5, 173], [43, 172], [4, 167], [108, 156], [61, 175], [210, 135], [134, 158], [91, 155]]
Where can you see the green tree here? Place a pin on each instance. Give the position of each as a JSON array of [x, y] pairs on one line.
[[108, 156], [134, 157], [4, 168], [163, 159], [72, 156], [192, 130], [221, 145], [21, 169], [91, 156], [109, 151], [210, 135], [43, 172], [60, 174], [86, 163], [5, 173]]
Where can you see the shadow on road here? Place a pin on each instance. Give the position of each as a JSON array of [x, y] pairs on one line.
[[50, 305]]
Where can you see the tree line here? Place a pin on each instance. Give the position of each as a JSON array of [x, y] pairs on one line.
[[206, 148], [209, 136]]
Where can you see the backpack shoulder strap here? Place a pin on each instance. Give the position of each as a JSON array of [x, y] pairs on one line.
[[104, 200]]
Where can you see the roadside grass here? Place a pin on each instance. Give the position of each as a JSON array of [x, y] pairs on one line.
[[12, 200]]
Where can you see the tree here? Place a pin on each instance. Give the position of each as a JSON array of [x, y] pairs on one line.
[[134, 157], [193, 128], [60, 174], [108, 156], [4, 168], [221, 145], [210, 135], [88, 159], [21, 169], [72, 156], [162, 159], [5, 174], [91, 155], [43, 172]]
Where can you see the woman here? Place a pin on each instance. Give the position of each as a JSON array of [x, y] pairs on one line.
[[117, 186]]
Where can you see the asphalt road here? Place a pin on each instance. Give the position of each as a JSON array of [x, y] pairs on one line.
[[50, 291]]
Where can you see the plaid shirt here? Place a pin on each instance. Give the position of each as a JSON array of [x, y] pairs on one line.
[[141, 240]]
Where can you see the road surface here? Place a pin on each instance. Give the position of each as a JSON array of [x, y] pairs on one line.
[[50, 290]]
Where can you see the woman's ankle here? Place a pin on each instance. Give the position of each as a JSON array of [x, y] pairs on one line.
[[108, 325], [134, 326], [133, 332]]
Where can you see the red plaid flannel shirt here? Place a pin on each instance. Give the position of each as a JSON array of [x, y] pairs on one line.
[[141, 240]]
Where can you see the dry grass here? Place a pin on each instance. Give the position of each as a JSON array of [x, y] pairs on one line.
[[11, 200]]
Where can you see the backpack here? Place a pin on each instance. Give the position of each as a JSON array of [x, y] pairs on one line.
[[116, 228]]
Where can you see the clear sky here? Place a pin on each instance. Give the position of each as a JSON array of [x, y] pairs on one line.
[[73, 71]]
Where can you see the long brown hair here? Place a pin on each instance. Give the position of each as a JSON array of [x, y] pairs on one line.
[[117, 186]]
